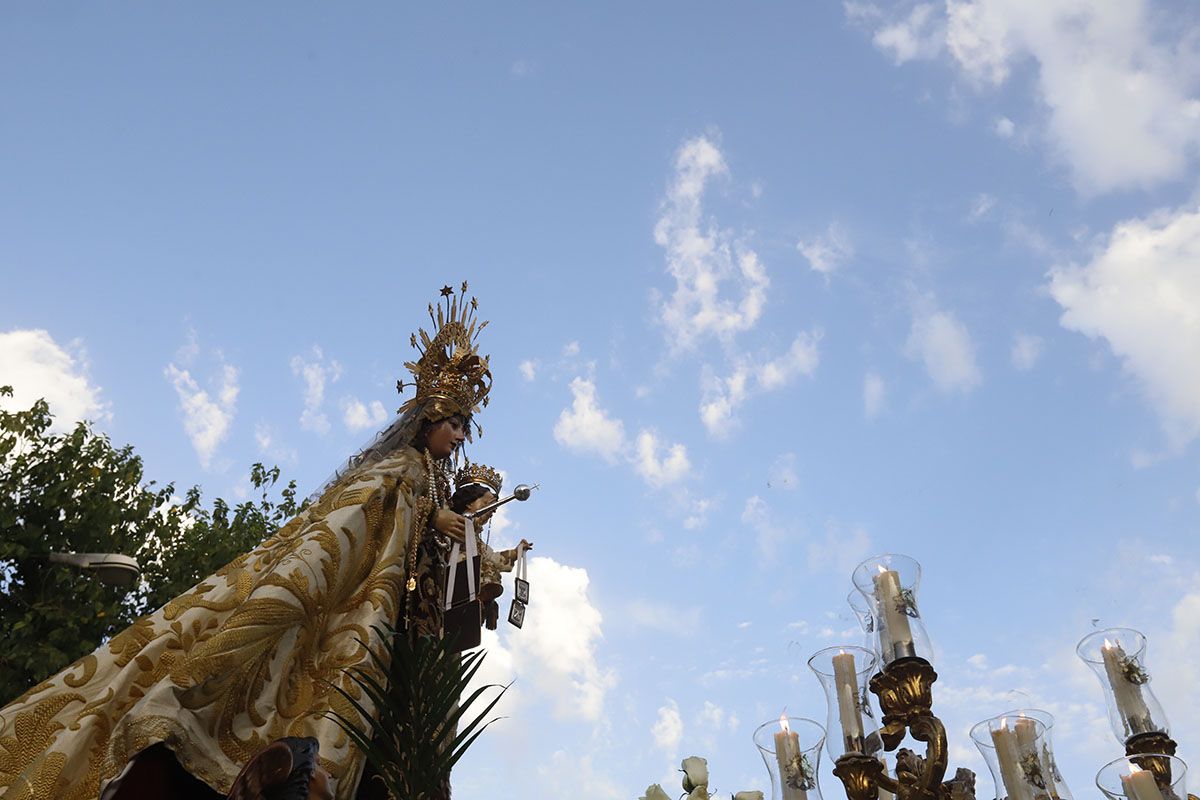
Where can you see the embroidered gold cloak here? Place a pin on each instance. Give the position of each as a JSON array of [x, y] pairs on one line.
[[246, 657]]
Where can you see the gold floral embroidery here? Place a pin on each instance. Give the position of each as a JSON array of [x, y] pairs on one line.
[[246, 657]]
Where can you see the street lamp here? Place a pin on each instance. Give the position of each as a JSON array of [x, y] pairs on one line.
[[111, 568]]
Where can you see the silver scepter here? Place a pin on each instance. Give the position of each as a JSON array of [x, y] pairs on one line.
[[520, 492]]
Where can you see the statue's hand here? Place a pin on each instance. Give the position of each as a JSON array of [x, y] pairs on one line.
[[448, 523]]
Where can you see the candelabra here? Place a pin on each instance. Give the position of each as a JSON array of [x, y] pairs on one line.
[[897, 667]]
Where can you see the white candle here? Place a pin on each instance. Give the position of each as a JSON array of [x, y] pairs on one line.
[[1128, 696], [1008, 754], [1140, 784], [845, 678], [787, 754], [1027, 746], [895, 616]]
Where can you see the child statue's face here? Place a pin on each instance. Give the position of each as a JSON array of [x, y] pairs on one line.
[[487, 498]]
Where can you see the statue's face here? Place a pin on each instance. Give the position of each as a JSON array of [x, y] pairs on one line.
[[446, 436], [484, 500]]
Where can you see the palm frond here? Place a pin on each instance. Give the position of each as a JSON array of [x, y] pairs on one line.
[[413, 725]]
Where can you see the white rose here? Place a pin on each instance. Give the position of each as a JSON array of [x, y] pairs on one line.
[[695, 773], [655, 792], [755, 795], [699, 793]]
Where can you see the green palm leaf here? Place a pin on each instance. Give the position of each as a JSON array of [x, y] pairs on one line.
[[418, 729]]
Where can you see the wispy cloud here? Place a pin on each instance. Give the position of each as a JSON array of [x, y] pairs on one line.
[[826, 253], [703, 259], [359, 416], [206, 416], [316, 371], [589, 429], [943, 344]]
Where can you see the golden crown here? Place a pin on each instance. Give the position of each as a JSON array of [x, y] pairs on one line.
[[450, 376], [480, 474]]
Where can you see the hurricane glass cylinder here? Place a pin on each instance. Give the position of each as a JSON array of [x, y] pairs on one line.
[[845, 672], [889, 584], [1017, 748], [791, 750], [1127, 779], [864, 612], [1117, 656]]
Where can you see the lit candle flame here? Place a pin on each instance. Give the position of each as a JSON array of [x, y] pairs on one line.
[[1004, 723], [881, 568], [783, 723], [1134, 769], [1107, 644]]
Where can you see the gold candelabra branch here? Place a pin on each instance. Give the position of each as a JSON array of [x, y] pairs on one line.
[[905, 691], [1147, 750]]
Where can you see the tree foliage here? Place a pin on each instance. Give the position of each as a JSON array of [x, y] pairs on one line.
[[75, 492]]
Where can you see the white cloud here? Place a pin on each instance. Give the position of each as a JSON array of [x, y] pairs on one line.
[[980, 206], [528, 369], [703, 258], [359, 415], [554, 654], [206, 417], [1026, 350], [1004, 128], [587, 428], [697, 510], [826, 253], [919, 35], [722, 396], [1140, 295], [1121, 110], [316, 373], [37, 367], [874, 394], [801, 359], [668, 728], [557, 646], [1118, 88], [570, 349], [944, 346], [671, 468]]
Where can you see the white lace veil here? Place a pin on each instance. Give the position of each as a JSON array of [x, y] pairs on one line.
[[398, 433]]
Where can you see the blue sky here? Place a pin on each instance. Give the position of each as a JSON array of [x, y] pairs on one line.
[[772, 289]]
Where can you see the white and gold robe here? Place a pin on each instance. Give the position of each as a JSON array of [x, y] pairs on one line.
[[244, 658]]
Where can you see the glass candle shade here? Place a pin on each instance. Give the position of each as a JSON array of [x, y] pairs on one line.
[[864, 612], [1117, 655], [1127, 779], [791, 749], [889, 585], [1017, 748], [844, 673]]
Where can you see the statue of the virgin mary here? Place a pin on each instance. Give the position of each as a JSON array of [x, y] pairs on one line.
[[253, 653]]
